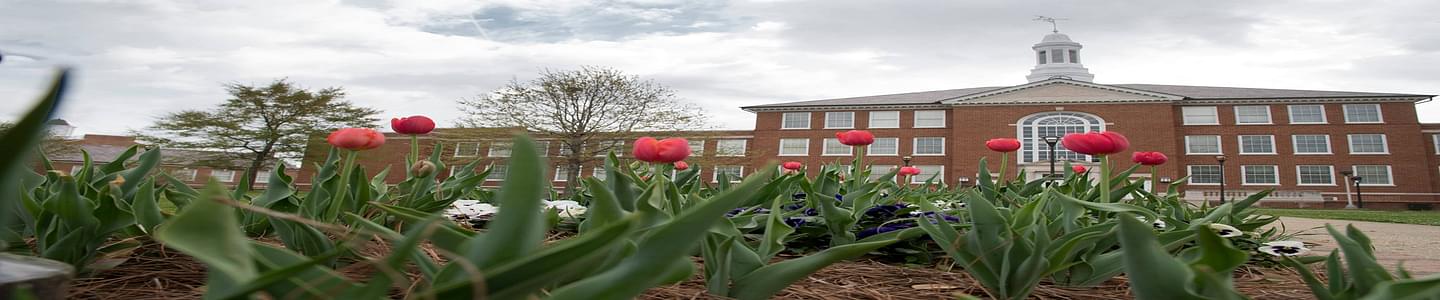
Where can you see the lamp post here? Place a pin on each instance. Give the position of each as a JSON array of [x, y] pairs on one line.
[[1349, 199], [906, 159], [1221, 160], [1359, 198], [1051, 140]]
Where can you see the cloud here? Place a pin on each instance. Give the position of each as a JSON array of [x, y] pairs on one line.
[[142, 58]]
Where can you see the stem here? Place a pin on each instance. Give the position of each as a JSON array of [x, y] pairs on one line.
[[342, 189], [855, 168], [414, 152], [1105, 178], [1004, 161], [1154, 181]]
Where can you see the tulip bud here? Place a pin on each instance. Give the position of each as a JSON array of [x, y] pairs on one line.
[[422, 169], [1003, 145], [681, 166], [356, 139], [792, 165], [855, 137], [412, 125], [119, 181]]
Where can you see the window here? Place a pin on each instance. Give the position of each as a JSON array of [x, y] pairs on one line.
[[794, 147], [223, 175], [183, 174], [1435, 138], [1257, 144], [734, 173], [1252, 114], [834, 147], [884, 147], [927, 172], [75, 169], [562, 173], [1315, 175], [876, 171], [1311, 143], [1307, 114], [1035, 128], [1040, 57], [1202, 144], [929, 119], [499, 149], [884, 119], [1199, 115], [467, 149], [697, 147], [1260, 175], [929, 146], [798, 120], [263, 176], [598, 172], [1074, 56], [1362, 113], [497, 172], [1373, 174], [840, 120], [1057, 57], [1205, 175], [543, 147], [604, 148], [565, 149], [730, 148], [1368, 144]]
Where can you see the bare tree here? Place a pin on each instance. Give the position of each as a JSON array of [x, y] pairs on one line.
[[586, 109], [260, 124]]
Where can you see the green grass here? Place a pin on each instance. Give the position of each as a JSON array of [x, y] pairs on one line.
[[1403, 217]]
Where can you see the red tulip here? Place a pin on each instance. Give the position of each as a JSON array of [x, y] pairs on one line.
[[908, 171], [681, 166], [356, 138], [1096, 143], [792, 165], [412, 125], [1149, 158], [661, 151], [1003, 145], [855, 137], [1078, 168]]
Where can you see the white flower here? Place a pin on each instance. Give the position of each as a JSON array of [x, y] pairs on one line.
[[1159, 224], [1226, 231], [471, 209], [1284, 248], [566, 209]]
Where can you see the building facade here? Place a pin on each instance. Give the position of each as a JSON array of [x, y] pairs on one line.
[[192, 167], [1307, 145]]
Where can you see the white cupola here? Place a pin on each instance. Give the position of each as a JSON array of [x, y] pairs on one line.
[[1058, 56]]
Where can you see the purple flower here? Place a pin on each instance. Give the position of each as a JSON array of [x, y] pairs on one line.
[[794, 222], [883, 229], [839, 198], [884, 211], [798, 196], [793, 206], [811, 212]]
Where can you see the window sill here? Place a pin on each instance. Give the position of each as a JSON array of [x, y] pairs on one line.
[[1204, 153], [872, 127], [846, 154], [803, 154], [1377, 153], [1326, 153], [782, 128], [882, 154], [1272, 153], [851, 127], [1316, 123], [1376, 185], [1348, 122], [1314, 184], [1215, 124], [1206, 184], [917, 154], [922, 127], [1259, 184], [1243, 124]]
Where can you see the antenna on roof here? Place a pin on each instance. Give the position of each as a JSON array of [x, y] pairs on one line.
[[1054, 26]]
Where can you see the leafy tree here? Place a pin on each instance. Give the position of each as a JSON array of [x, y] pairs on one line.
[[261, 124], [586, 109]]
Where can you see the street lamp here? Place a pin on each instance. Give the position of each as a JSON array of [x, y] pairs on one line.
[[1221, 160], [906, 159], [1349, 199], [1051, 140], [1359, 198]]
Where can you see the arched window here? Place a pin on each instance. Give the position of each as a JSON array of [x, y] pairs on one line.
[[1035, 127]]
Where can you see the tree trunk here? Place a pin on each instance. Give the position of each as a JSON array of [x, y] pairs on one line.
[[255, 165]]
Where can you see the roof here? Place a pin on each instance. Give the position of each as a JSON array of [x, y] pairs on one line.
[[1187, 91]]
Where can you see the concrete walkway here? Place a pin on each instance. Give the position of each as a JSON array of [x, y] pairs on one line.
[[1416, 245]]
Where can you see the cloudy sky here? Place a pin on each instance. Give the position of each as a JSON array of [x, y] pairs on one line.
[[138, 59]]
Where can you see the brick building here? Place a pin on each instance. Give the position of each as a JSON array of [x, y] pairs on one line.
[[193, 167], [1306, 144]]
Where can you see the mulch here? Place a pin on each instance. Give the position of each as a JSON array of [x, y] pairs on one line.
[[158, 273]]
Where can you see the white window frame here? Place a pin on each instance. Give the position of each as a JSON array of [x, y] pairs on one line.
[[1241, 143], [870, 150], [509, 148], [456, 153], [599, 172], [744, 147], [1299, 176], [1214, 113], [785, 120], [915, 145], [613, 145], [1190, 172], [781, 151], [696, 151], [542, 145], [828, 117], [1291, 113], [492, 167], [192, 177], [560, 171], [921, 178], [1269, 117], [1435, 139], [75, 169], [715, 174], [1219, 145], [1384, 143], [825, 148], [880, 170], [1295, 145], [263, 177], [1389, 172], [1245, 180], [916, 116], [231, 178], [1379, 115], [871, 115]]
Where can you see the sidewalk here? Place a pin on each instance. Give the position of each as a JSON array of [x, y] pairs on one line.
[[1414, 244]]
